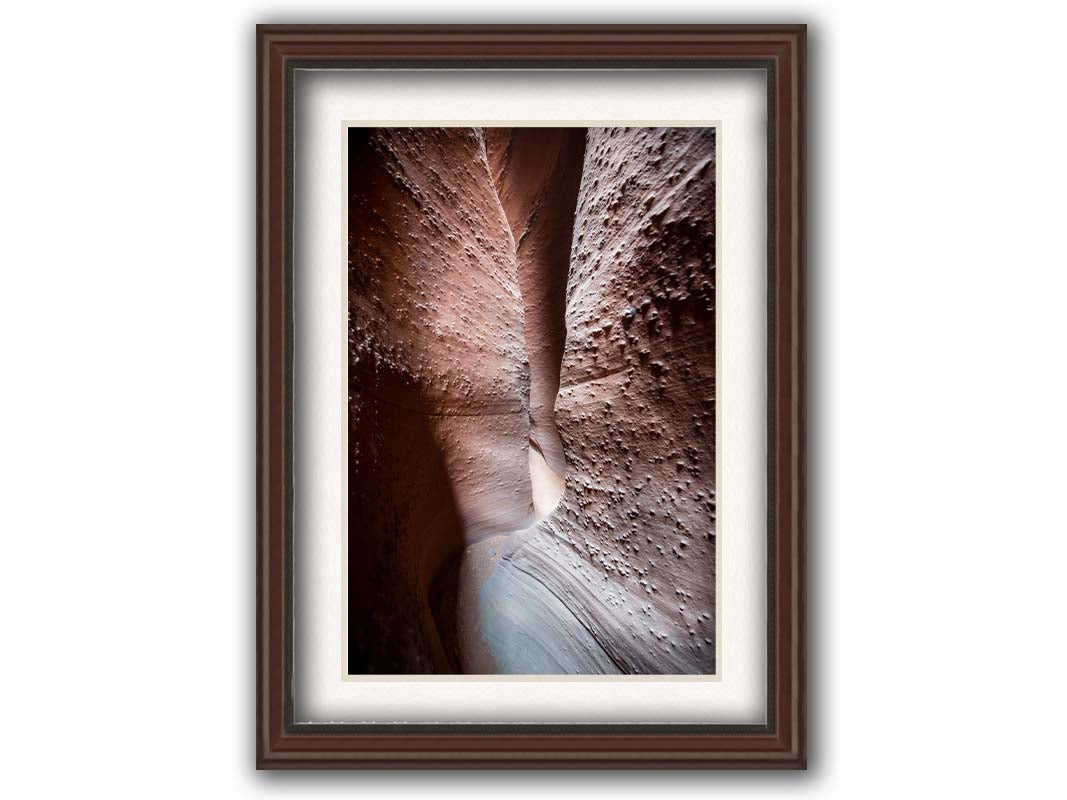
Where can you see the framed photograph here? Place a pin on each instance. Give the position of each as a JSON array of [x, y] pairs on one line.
[[530, 396]]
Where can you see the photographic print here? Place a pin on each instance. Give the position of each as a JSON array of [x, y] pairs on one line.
[[532, 401]]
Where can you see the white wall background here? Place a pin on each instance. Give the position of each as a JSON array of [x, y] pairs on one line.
[[937, 416]]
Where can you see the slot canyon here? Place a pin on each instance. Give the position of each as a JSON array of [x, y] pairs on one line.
[[531, 426]]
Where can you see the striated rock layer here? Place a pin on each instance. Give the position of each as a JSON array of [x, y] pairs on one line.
[[592, 253]]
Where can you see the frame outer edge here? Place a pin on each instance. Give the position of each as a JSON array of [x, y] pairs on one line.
[[279, 748]]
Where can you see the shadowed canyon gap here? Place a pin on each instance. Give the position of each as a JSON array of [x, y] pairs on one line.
[[532, 322]]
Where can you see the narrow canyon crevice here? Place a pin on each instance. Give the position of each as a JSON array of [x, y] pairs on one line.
[[532, 323], [537, 173]]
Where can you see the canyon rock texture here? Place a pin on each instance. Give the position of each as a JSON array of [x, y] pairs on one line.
[[532, 401]]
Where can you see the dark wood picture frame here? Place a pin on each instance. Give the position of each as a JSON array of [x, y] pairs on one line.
[[780, 743]]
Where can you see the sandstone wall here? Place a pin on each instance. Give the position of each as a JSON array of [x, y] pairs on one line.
[[437, 383], [621, 576]]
